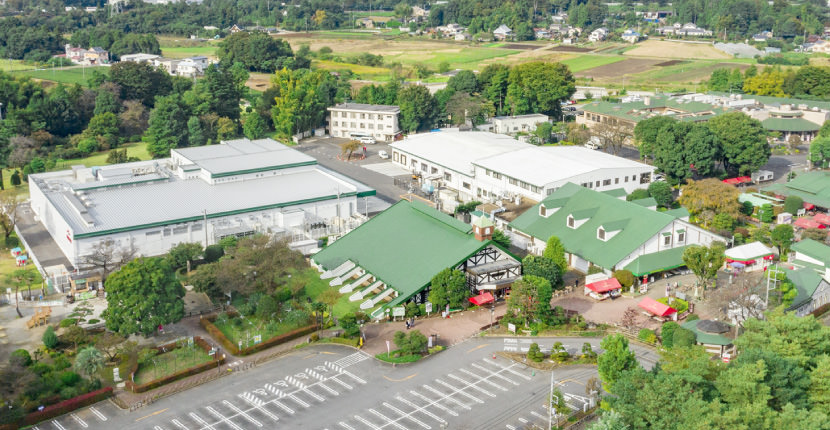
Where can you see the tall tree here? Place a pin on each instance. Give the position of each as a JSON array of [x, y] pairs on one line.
[[143, 295], [418, 108], [543, 267], [743, 141], [538, 87], [449, 287], [167, 126], [704, 261], [226, 86], [106, 257], [555, 251], [710, 195], [782, 237], [616, 359], [89, 361], [529, 298], [140, 81]]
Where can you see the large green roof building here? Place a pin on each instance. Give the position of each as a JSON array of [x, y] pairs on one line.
[[605, 231], [812, 187], [391, 259]]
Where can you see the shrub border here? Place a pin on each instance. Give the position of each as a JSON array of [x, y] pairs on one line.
[[65, 406], [207, 323], [199, 368]]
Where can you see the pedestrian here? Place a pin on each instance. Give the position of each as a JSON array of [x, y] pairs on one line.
[[407, 324]]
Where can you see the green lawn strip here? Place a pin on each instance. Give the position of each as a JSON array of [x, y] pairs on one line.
[[344, 306], [169, 363], [393, 358], [585, 62], [13, 65], [187, 51], [77, 75], [365, 72], [250, 327]]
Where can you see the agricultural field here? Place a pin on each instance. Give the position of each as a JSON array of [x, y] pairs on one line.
[[14, 65], [585, 62], [176, 47], [682, 50], [73, 75]]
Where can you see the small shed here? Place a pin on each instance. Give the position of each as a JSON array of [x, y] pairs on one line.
[[711, 334], [601, 290], [16, 251], [657, 309], [21, 260]]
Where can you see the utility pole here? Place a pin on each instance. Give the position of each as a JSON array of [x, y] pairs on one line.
[[774, 281], [204, 212], [550, 402]]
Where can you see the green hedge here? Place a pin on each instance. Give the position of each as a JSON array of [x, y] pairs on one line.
[[130, 385], [68, 406], [207, 324]]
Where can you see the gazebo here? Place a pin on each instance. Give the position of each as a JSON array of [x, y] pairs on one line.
[[711, 334]]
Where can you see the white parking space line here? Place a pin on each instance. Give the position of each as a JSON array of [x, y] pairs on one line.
[[304, 388], [180, 425], [327, 388], [241, 413], [447, 397], [345, 385], [58, 425], [222, 418], [523, 421], [298, 400], [258, 404], [507, 368], [345, 426], [157, 428], [498, 375], [199, 420], [460, 391], [98, 414], [485, 380], [422, 409], [351, 375], [387, 420], [407, 415], [436, 404], [79, 420], [471, 385], [283, 407], [538, 415], [361, 419], [509, 427]]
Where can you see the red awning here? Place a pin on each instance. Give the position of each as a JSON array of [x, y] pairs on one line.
[[807, 223], [822, 218], [738, 180], [481, 299], [747, 262], [656, 307], [808, 206], [604, 286]]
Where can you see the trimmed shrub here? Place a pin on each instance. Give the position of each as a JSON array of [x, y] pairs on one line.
[[683, 337], [692, 317], [67, 322], [792, 204], [12, 242], [213, 253], [70, 378], [534, 353], [647, 336], [667, 333], [49, 338], [21, 356], [68, 406], [625, 277]]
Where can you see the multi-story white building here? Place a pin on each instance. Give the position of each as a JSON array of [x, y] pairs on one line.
[[378, 121], [514, 124], [488, 167], [200, 194]]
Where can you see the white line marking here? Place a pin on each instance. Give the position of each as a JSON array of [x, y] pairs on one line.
[[524, 421], [58, 425], [345, 385], [483, 379], [157, 428], [538, 415], [460, 391], [422, 409], [79, 420], [298, 400], [509, 427], [408, 415], [259, 406], [359, 418], [325, 387], [389, 420], [498, 375], [447, 397], [179, 425], [222, 418], [472, 385], [243, 414], [98, 414], [346, 372], [345, 426], [527, 378], [436, 404], [283, 407], [200, 420]]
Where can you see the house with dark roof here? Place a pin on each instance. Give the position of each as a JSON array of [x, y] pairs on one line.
[[391, 259], [598, 229], [713, 335]]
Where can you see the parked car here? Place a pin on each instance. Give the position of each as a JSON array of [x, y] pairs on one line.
[[593, 143], [383, 154], [658, 178], [368, 140]]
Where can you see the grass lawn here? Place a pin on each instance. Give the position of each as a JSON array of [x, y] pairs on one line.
[[585, 62], [12, 65], [314, 286], [365, 72], [188, 51], [394, 358], [244, 329], [136, 149], [75, 75], [171, 362]]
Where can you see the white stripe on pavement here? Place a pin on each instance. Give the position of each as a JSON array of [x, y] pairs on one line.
[[471, 385], [222, 418], [538, 415], [447, 397], [345, 385], [435, 403], [407, 415], [483, 379], [283, 407], [259, 405], [98, 414], [460, 391], [387, 419], [180, 425], [359, 418], [199, 420], [243, 414], [527, 378], [345, 426], [58, 425], [422, 409], [79, 420], [498, 375]]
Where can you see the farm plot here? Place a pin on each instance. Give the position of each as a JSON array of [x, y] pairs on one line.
[[692, 72], [681, 50], [566, 48], [618, 68]]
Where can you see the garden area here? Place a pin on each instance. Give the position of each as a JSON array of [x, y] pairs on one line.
[[153, 365], [411, 348]]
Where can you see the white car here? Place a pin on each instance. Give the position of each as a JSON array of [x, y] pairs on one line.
[[383, 154], [593, 143], [368, 140]]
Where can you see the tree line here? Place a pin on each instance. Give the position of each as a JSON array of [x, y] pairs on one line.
[[807, 82]]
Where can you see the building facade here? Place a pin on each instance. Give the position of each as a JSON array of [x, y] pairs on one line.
[[513, 124], [201, 194], [352, 119]]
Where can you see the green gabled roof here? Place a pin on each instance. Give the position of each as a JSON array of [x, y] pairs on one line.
[[814, 249], [789, 124], [615, 225], [584, 213], [812, 187], [704, 337], [657, 261], [806, 281], [555, 203], [404, 246], [769, 100], [616, 192], [646, 202], [680, 212], [643, 223]]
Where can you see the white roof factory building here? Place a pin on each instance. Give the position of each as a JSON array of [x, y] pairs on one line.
[[199, 194], [486, 166]]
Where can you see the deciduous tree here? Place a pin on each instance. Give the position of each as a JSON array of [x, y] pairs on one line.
[[543, 267], [704, 261], [529, 298], [616, 359], [710, 194], [449, 287], [743, 142], [555, 251]]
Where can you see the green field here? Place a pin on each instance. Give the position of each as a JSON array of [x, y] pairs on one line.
[[13, 65], [365, 72], [75, 75], [585, 62], [458, 58], [188, 51]]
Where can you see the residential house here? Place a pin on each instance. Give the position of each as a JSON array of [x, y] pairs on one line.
[[236, 28], [602, 230], [715, 336], [513, 124], [762, 36], [96, 55], [542, 33], [503, 32], [689, 30], [656, 16], [168, 64], [365, 22], [569, 40], [821, 46], [419, 13], [450, 30], [598, 35], [192, 67], [460, 37], [631, 36], [813, 290], [139, 58]]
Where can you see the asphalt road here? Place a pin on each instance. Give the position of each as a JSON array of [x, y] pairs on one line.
[[334, 387]]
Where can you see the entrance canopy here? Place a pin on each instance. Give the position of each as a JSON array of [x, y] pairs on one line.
[[656, 308], [481, 299], [738, 180], [604, 286]]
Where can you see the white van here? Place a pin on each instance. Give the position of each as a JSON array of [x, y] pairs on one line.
[[367, 140], [593, 143]]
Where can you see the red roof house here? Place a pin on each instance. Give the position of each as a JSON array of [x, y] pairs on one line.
[[807, 223], [656, 308]]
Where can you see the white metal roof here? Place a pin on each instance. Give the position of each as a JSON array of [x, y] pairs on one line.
[[457, 150], [544, 165], [749, 251]]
